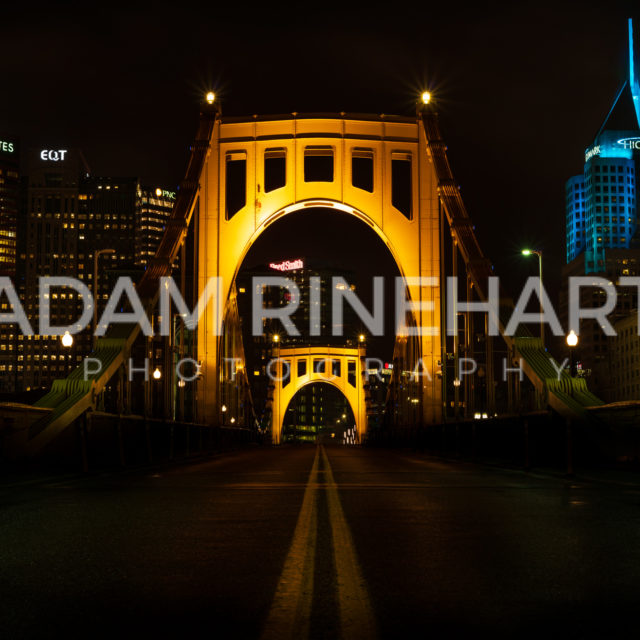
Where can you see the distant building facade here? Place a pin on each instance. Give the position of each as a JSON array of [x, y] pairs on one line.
[[625, 360], [9, 203], [9, 217], [318, 409], [71, 215]]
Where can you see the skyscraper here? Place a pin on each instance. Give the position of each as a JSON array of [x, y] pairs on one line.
[[602, 215], [71, 217], [51, 249], [9, 203], [602, 203], [9, 214], [153, 208]]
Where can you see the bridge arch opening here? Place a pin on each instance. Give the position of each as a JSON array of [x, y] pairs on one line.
[[321, 242], [319, 413]]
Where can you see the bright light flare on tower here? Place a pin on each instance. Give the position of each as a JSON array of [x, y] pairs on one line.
[[426, 97], [211, 97]]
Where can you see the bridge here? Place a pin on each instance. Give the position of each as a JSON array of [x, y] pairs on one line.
[[390, 173], [294, 369]]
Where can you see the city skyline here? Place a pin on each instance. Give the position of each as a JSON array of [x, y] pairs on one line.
[[493, 106]]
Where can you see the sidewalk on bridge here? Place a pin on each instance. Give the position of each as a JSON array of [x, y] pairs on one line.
[[623, 477]]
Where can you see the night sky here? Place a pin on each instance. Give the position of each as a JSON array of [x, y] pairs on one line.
[[521, 91]]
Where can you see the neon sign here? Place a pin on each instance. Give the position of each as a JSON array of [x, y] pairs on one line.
[[54, 155], [630, 143], [594, 151], [6, 146], [287, 265], [610, 148], [162, 193]]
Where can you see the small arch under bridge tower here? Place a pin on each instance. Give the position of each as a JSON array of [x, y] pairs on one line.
[[295, 368]]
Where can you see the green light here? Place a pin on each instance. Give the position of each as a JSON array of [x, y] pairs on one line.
[[526, 252]]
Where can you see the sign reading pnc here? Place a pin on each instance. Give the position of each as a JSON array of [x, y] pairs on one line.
[[163, 193], [287, 265]]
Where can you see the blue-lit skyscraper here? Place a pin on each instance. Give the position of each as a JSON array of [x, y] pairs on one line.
[[603, 229], [602, 203], [576, 218]]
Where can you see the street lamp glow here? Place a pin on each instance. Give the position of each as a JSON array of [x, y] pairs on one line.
[[223, 408], [361, 337], [572, 338], [157, 374], [426, 97], [211, 97], [67, 340], [276, 337], [538, 253]]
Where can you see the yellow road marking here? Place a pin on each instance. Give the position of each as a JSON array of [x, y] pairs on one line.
[[356, 613], [290, 611]]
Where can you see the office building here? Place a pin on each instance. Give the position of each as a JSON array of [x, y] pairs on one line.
[[9, 203], [95, 229], [602, 231], [52, 248], [153, 208], [9, 216], [625, 360]]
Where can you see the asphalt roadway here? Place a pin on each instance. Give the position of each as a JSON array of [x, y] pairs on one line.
[[319, 542]]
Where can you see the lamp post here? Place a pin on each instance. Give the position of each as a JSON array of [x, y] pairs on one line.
[[67, 343], [528, 252], [96, 255], [456, 397], [572, 341]]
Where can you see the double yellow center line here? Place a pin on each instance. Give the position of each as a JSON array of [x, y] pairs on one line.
[[290, 613]]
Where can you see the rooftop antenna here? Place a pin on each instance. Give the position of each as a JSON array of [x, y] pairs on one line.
[[613, 106]]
